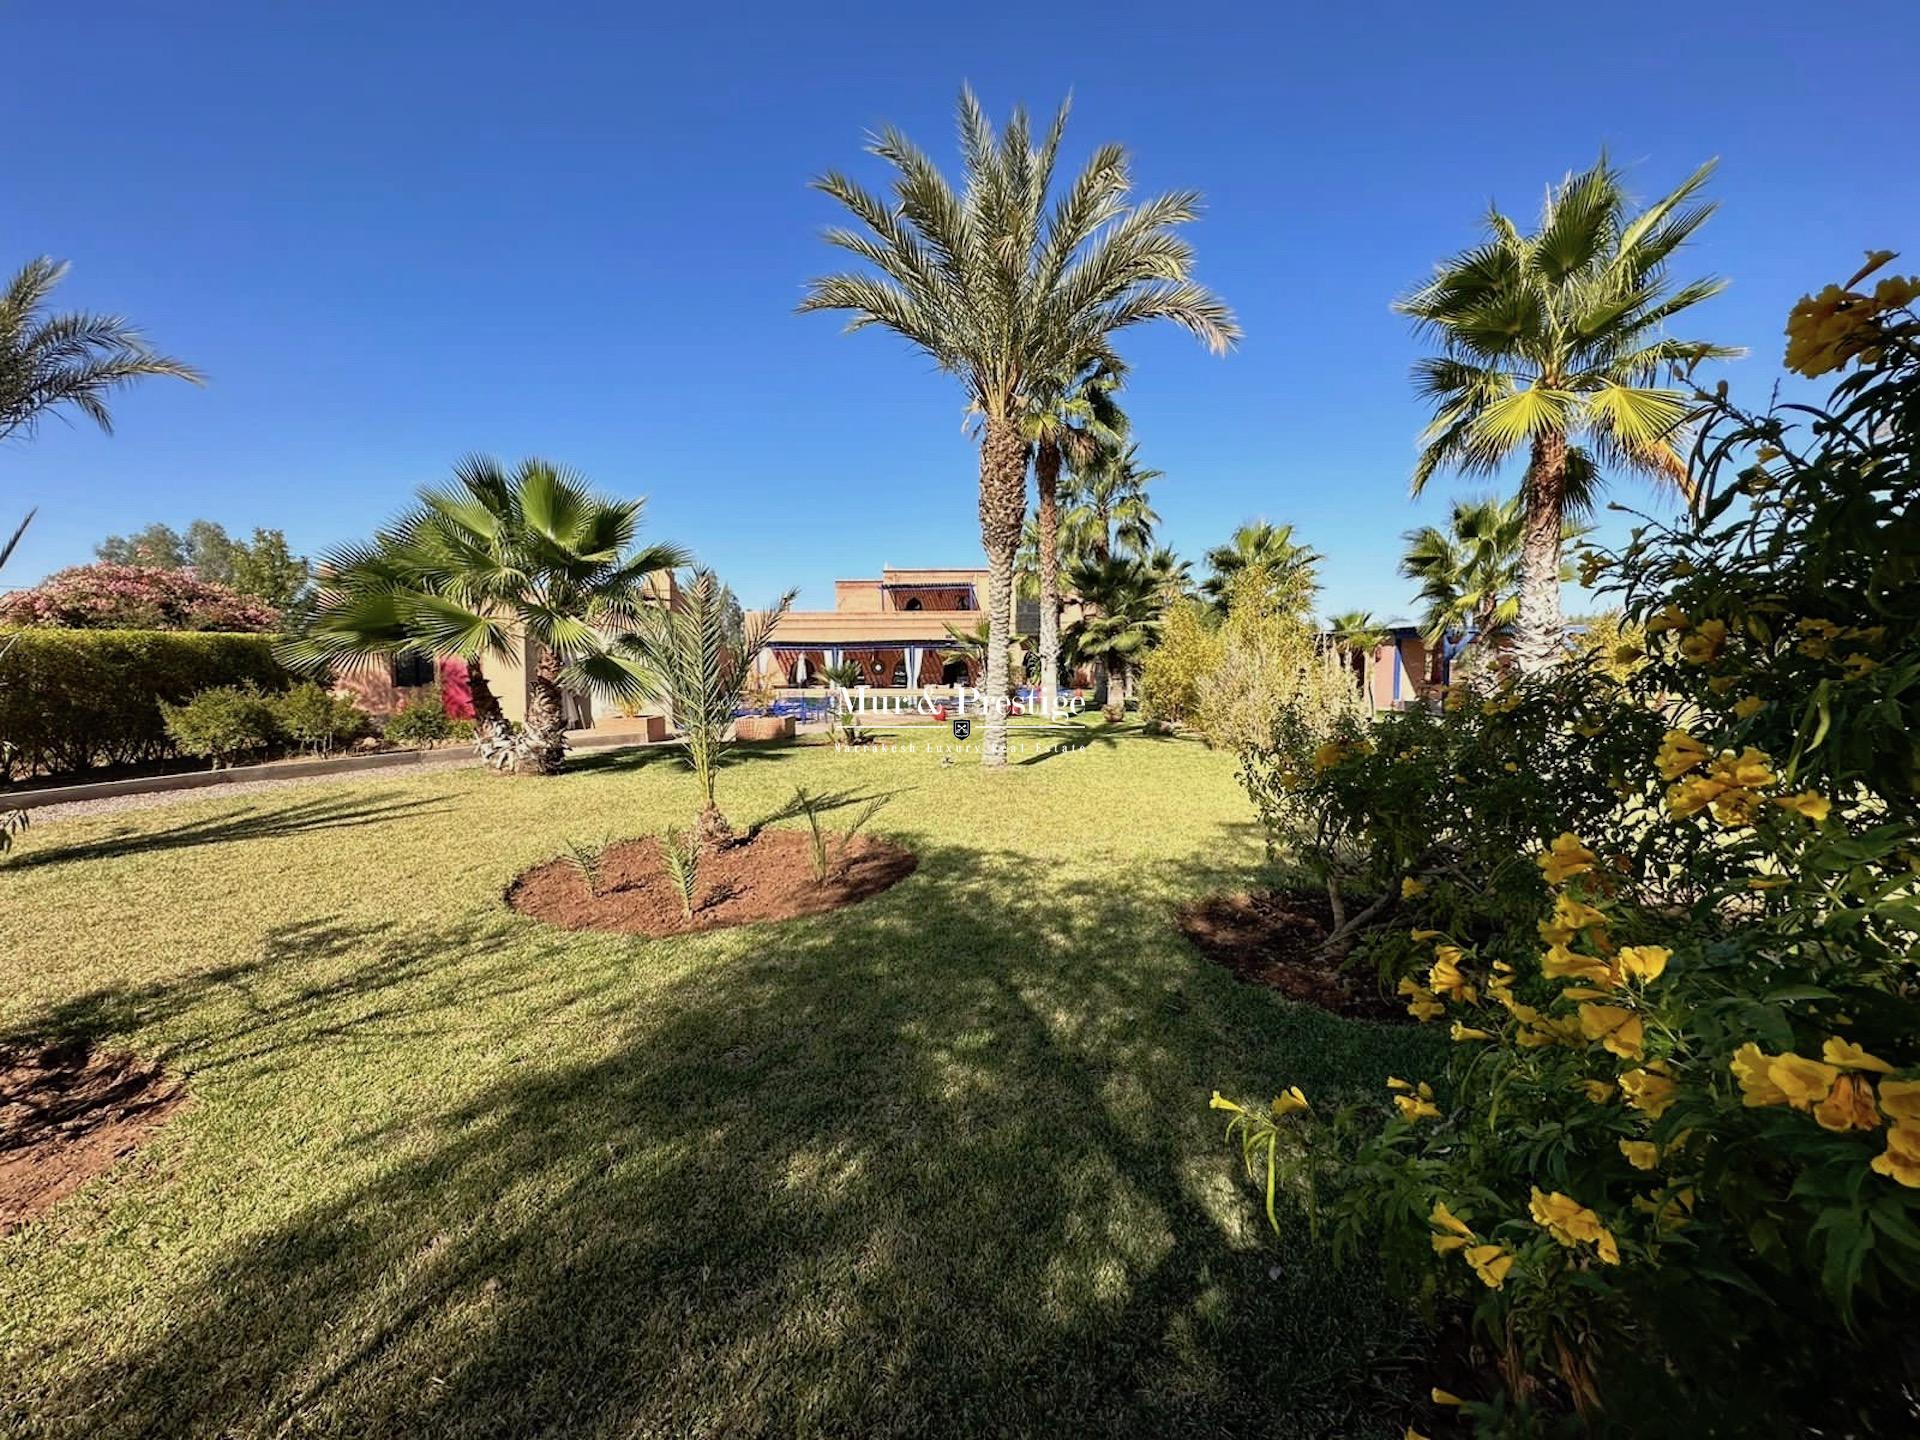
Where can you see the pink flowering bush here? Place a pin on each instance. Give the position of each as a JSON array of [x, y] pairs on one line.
[[135, 597]]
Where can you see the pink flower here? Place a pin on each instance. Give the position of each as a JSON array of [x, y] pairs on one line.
[[135, 597]]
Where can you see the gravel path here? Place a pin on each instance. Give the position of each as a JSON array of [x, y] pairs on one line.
[[153, 799]]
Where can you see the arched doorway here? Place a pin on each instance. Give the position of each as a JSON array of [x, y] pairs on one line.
[[956, 672]]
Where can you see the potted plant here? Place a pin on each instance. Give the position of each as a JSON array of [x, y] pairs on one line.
[[760, 723]]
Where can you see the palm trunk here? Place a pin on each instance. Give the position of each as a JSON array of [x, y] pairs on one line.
[[1116, 702], [492, 737], [1046, 474], [1536, 641], [544, 749], [1003, 506]]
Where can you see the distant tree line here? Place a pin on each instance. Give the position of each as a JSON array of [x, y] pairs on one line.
[[264, 567]]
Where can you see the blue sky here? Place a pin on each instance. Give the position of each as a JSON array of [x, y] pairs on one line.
[[394, 234]]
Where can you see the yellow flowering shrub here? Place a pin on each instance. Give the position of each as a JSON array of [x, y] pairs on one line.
[[1673, 1167], [1396, 809]]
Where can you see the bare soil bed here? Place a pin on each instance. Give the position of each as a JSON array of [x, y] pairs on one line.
[[1274, 938], [768, 876], [66, 1115]]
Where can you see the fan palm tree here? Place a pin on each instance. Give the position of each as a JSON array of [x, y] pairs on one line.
[[497, 566], [1120, 620], [1173, 577], [1289, 567], [1008, 287], [973, 645], [1557, 336], [51, 361], [1108, 510], [1073, 419], [696, 660], [1357, 635], [1470, 572]]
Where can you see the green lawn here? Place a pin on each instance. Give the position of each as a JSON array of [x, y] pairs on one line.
[[937, 1164]]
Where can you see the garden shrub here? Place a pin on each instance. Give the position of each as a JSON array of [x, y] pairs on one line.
[[1189, 649], [1272, 669], [314, 718], [1611, 642], [222, 724], [1673, 1168], [1444, 805], [421, 721], [74, 699]]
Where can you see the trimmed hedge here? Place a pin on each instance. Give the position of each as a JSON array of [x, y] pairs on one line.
[[74, 699]]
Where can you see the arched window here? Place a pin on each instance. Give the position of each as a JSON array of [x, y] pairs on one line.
[[955, 672], [899, 678], [913, 603]]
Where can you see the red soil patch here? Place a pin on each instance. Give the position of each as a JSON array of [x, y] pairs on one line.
[[1273, 938], [66, 1115], [766, 877]]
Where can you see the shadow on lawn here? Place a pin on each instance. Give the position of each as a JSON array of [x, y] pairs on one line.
[[255, 822], [939, 1163], [272, 1007], [638, 757], [1107, 735]]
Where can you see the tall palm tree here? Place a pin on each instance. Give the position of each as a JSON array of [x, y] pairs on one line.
[[1008, 286], [1290, 567], [1557, 336], [1120, 619], [1108, 510], [498, 566], [1073, 419], [51, 361], [696, 660], [1357, 635]]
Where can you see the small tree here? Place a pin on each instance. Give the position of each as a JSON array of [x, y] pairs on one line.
[[697, 662]]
